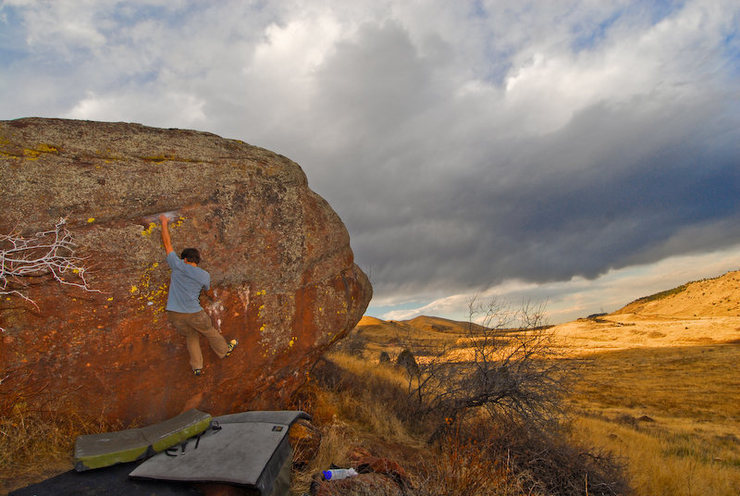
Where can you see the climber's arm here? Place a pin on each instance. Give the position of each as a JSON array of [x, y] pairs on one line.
[[166, 241]]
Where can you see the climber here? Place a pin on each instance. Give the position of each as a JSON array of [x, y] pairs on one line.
[[183, 306]]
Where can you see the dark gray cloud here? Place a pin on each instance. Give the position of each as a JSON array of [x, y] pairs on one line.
[[604, 192]]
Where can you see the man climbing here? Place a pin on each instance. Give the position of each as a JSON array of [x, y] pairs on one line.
[[183, 305]]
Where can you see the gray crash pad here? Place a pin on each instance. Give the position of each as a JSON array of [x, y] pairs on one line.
[[248, 449], [102, 450]]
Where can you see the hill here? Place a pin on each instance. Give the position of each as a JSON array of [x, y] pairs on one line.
[[717, 297], [696, 313], [437, 324]]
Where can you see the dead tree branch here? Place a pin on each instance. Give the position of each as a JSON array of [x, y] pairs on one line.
[[45, 253]]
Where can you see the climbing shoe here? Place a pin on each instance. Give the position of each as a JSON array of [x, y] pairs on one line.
[[198, 371], [232, 345]]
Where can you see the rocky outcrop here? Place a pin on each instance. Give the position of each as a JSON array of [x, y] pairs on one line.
[[285, 283]]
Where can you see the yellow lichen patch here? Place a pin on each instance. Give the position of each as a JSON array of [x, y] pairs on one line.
[[34, 153], [31, 154], [44, 148], [149, 229], [158, 159], [90, 220], [149, 294]]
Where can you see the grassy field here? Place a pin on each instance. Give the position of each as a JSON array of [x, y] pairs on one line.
[[672, 413]]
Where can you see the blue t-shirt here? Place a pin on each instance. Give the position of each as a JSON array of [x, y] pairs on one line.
[[186, 282]]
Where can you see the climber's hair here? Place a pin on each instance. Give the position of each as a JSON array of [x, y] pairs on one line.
[[191, 255]]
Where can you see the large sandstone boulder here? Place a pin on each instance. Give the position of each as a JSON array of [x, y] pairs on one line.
[[282, 269]]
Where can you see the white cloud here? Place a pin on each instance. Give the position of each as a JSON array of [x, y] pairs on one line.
[[171, 110], [62, 25]]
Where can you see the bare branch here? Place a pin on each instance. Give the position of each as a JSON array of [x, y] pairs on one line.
[[45, 253]]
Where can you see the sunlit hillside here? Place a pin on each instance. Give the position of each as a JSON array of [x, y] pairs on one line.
[[697, 313], [718, 297]]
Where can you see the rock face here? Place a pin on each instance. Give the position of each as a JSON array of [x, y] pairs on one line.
[[282, 270]]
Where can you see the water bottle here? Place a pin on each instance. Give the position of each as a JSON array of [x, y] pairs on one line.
[[339, 473]]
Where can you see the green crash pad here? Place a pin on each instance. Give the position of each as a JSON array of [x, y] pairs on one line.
[[102, 450]]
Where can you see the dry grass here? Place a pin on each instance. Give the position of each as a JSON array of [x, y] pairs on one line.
[[662, 462], [37, 444], [688, 441], [627, 331], [358, 422], [336, 440], [368, 369], [464, 469], [698, 383], [681, 373]]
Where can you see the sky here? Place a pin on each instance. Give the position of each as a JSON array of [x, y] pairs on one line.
[[578, 154]]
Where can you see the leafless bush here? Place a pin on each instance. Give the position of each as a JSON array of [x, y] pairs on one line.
[[507, 369], [46, 253]]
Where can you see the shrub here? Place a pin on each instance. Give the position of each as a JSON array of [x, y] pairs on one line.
[[508, 371]]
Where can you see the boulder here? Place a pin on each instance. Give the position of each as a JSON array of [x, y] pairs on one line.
[[407, 360], [283, 275]]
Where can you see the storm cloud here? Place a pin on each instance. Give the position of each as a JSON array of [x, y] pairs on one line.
[[464, 144]]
